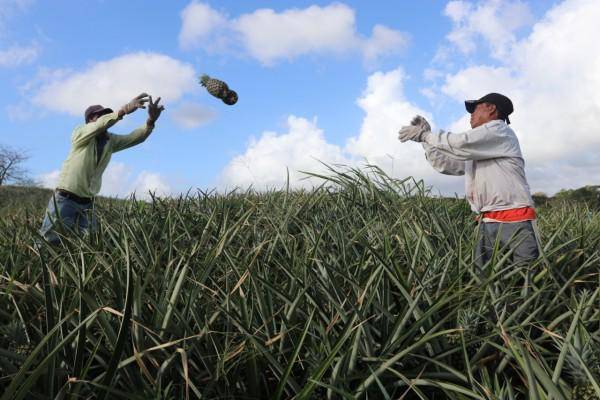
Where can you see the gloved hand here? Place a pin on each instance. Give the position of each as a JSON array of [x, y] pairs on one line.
[[137, 102], [409, 132], [421, 123], [154, 110], [417, 131]]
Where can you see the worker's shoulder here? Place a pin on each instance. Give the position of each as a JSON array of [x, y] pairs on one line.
[[499, 127], [78, 127], [505, 137], [77, 130]]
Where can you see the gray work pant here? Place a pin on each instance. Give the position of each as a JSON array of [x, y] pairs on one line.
[[516, 236], [520, 237]]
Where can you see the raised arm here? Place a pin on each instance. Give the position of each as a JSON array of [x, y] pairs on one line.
[[122, 142], [443, 163], [492, 140], [83, 134], [137, 136], [484, 142]]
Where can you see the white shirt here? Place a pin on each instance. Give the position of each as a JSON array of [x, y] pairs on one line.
[[490, 158]]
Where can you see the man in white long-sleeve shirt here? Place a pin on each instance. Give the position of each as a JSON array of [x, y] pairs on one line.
[[490, 157]]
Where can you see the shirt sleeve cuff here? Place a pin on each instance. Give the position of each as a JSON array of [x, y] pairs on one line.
[[425, 136], [148, 127]]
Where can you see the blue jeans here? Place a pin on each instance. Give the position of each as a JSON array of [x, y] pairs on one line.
[[69, 214]]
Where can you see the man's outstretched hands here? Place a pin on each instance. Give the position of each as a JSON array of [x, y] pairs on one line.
[[417, 130], [154, 110], [134, 104]]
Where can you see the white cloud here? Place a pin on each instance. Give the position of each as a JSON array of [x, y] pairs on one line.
[[266, 161], [386, 109], [458, 10], [114, 82], [271, 36], [119, 180], [383, 41], [565, 174], [494, 21], [191, 115], [552, 78], [483, 78], [10, 7], [116, 180], [7, 6], [199, 22], [432, 74], [15, 56], [49, 179], [19, 112], [148, 182]]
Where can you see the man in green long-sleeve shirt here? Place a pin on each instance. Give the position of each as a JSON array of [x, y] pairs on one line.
[[92, 146]]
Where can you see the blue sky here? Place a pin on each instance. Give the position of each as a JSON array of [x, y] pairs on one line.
[[317, 80]]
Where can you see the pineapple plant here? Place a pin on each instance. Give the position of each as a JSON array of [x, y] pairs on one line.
[[469, 321], [298, 261], [584, 391], [582, 388], [219, 89], [16, 335]]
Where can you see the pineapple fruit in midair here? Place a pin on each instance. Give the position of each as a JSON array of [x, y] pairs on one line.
[[231, 98], [219, 89]]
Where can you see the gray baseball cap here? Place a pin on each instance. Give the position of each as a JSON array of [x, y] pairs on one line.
[[96, 109]]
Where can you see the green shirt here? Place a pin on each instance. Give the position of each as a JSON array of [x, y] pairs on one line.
[[82, 171]]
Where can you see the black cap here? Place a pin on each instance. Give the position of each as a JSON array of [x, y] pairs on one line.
[[502, 103], [96, 109]]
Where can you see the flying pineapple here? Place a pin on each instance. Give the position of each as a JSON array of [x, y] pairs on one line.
[[219, 89], [231, 98]]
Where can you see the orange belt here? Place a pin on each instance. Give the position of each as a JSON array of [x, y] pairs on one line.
[[511, 215]]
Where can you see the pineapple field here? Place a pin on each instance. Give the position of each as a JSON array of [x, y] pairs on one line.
[[362, 288]]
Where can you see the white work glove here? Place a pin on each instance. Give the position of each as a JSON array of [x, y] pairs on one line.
[[154, 110], [417, 131], [137, 102], [421, 123]]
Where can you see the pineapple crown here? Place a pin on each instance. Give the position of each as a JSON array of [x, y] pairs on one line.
[[204, 79]]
